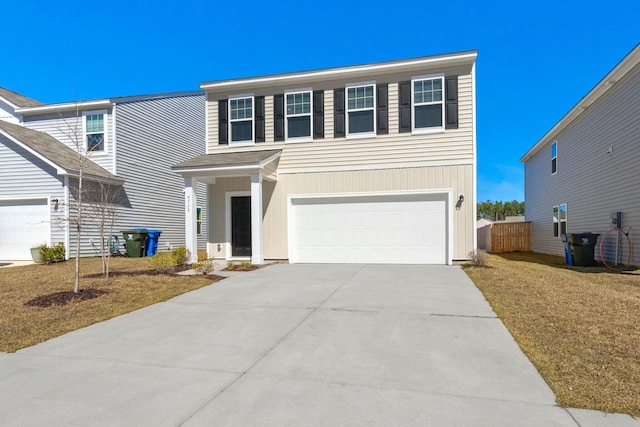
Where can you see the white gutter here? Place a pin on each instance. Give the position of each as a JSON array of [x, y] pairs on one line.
[[340, 71], [68, 106]]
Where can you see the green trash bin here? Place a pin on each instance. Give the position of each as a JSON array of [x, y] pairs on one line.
[[135, 240]]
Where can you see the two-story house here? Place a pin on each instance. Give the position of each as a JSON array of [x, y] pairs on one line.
[[130, 142], [584, 170], [362, 164]]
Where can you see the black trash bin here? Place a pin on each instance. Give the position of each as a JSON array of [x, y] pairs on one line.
[[135, 240], [583, 247]]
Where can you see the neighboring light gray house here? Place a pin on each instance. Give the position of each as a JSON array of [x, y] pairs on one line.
[[133, 141], [587, 165], [363, 164]]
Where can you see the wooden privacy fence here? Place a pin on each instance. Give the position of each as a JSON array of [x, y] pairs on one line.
[[510, 237], [505, 237]]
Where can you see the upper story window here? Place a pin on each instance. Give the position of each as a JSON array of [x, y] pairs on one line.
[[94, 130], [361, 109], [298, 115], [241, 119], [554, 157], [428, 102]]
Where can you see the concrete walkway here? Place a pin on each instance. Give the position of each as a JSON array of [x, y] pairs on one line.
[[293, 345]]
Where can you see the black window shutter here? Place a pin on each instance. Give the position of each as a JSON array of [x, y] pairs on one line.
[[338, 113], [223, 121], [404, 106], [278, 117], [383, 109], [451, 103], [259, 118], [318, 114]]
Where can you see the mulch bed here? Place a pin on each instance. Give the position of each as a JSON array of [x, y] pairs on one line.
[[241, 268], [64, 298]]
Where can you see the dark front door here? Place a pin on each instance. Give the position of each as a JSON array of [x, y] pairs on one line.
[[241, 226]]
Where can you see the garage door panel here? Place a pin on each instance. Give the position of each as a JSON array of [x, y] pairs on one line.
[[372, 229], [23, 223]]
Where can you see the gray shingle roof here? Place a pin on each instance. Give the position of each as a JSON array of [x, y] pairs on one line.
[[244, 158], [56, 152], [17, 99]]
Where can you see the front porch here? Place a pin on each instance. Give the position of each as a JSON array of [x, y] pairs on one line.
[[243, 210]]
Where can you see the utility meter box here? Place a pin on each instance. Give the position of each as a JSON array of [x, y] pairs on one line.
[[616, 219]]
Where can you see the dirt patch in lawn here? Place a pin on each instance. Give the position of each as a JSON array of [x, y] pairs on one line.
[[37, 302], [63, 298], [580, 326]]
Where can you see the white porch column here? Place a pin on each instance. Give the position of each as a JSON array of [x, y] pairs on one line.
[[190, 220], [256, 219]]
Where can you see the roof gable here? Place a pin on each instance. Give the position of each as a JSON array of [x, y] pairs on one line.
[[54, 152]]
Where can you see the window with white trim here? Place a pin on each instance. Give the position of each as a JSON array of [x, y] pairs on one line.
[[559, 220], [241, 119], [361, 106], [94, 130], [298, 115], [198, 221], [554, 157], [427, 95]]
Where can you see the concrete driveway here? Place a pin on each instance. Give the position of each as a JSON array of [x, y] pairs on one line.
[[292, 345]]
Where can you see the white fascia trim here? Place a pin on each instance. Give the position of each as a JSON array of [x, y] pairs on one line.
[[375, 167], [9, 103], [338, 72], [446, 191], [82, 105], [58, 169], [623, 67]]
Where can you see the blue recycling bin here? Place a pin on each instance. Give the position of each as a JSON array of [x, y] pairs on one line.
[[568, 255], [151, 247]]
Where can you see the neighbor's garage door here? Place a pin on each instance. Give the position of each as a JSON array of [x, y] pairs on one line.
[[23, 224], [405, 229]]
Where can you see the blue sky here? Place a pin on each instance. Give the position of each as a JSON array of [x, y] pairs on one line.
[[535, 60]]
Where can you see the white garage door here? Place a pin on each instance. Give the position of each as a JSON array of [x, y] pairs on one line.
[[23, 224], [404, 229]]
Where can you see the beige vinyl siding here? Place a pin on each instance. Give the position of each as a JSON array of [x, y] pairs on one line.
[[328, 114], [590, 181], [458, 178], [394, 123], [212, 122], [453, 146], [268, 113]]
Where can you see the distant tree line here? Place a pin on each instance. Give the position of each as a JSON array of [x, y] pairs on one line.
[[496, 211]]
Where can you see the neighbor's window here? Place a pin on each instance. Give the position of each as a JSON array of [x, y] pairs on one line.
[[199, 221], [559, 220], [298, 113], [241, 119], [94, 131], [554, 157], [428, 103], [360, 109]]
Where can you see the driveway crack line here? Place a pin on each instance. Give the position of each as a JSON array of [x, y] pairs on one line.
[[270, 350]]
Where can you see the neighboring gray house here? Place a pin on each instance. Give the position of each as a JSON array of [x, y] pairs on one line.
[[587, 165], [362, 164], [133, 141]]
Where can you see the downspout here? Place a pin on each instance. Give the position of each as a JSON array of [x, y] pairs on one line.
[[67, 241], [475, 159], [115, 139]]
